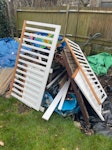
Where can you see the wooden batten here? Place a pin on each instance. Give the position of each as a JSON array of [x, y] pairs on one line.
[[5, 79]]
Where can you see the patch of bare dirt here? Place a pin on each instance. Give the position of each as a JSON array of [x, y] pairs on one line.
[[22, 108]]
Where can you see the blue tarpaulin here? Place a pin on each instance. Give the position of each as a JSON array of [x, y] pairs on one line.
[[8, 52]]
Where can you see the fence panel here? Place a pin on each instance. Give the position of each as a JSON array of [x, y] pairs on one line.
[[77, 24]]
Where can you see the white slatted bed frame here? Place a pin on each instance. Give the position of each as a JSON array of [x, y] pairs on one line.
[[33, 63], [86, 79]]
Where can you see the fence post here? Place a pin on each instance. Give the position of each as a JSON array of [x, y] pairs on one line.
[[98, 4], [66, 21], [9, 15]]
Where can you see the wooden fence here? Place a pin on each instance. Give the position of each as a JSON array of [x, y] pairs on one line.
[[79, 24]]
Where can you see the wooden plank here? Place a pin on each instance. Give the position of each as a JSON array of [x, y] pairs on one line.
[[34, 54], [36, 48], [32, 65], [42, 24], [54, 80], [39, 30], [63, 80], [74, 86], [33, 59], [5, 79], [36, 42], [65, 60], [64, 95], [30, 68], [38, 36], [55, 102]]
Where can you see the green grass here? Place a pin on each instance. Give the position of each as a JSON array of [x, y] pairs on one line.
[[28, 131]]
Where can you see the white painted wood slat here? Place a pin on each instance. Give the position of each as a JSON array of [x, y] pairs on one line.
[[64, 95], [35, 54], [36, 48], [41, 24], [33, 59], [36, 42], [37, 36], [39, 30], [32, 70], [31, 64]]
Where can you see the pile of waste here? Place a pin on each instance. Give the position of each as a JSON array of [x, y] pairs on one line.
[[52, 74]]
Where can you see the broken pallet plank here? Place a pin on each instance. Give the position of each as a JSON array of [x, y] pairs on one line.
[[64, 96], [5, 79], [55, 102]]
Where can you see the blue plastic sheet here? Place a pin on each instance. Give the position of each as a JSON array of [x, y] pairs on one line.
[[8, 52], [9, 48]]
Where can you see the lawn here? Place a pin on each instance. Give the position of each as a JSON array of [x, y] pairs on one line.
[[22, 128]]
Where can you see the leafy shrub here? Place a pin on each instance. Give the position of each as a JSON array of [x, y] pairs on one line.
[[4, 21]]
